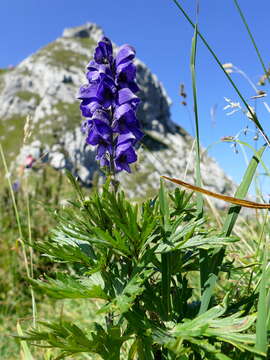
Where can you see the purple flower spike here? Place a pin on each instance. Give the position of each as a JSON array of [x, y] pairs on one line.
[[109, 104]]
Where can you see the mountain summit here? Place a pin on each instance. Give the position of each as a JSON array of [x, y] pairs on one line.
[[45, 86]]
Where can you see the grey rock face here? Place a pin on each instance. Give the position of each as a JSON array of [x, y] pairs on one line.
[[45, 86], [88, 30]]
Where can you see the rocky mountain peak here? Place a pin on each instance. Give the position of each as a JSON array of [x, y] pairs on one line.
[[88, 30], [45, 86]]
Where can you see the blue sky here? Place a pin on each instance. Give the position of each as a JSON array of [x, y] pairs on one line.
[[162, 38]]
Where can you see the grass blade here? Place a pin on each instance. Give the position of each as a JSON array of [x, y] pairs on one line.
[[262, 315], [229, 223], [164, 206], [195, 105], [204, 260], [26, 354], [242, 190]]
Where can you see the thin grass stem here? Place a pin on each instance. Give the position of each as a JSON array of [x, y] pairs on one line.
[[29, 271], [15, 210], [197, 134]]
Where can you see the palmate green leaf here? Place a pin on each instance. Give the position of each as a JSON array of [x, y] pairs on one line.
[[79, 252], [130, 226], [210, 324], [139, 324], [198, 241], [149, 217], [71, 340], [96, 237], [68, 287], [70, 232], [207, 331], [115, 242], [209, 350], [126, 298], [200, 347], [75, 185], [208, 242], [182, 203]]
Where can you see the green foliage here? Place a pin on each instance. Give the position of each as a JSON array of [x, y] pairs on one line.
[[72, 340], [60, 56], [28, 95], [136, 260], [67, 287], [4, 71], [86, 42], [11, 130], [50, 129]]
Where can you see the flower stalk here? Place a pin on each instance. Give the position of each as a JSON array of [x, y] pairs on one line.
[[109, 104]]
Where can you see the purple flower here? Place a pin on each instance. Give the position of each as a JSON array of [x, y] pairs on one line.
[[125, 153], [95, 70], [103, 52], [126, 96], [126, 121], [16, 186], [125, 53], [109, 104], [99, 129]]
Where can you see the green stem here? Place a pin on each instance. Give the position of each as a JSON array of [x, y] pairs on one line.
[[194, 90]]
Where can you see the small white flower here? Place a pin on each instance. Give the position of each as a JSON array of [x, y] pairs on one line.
[[235, 106]]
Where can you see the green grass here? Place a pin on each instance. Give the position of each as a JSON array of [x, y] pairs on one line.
[[85, 42], [11, 130], [2, 82], [68, 117], [10, 347], [28, 95], [59, 56], [4, 71]]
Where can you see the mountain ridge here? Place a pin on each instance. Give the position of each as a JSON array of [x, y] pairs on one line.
[[45, 86]]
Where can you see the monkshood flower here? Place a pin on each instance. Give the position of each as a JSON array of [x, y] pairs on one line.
[[109, 104]]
